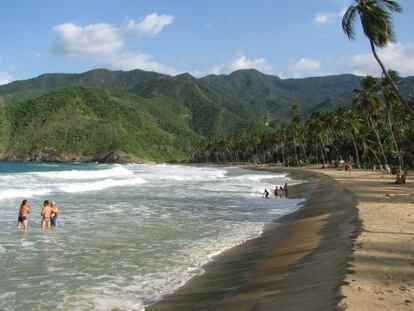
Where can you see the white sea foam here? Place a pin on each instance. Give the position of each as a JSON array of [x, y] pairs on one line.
[[100, 185], [115, 172], [258, 177], [22, 193]]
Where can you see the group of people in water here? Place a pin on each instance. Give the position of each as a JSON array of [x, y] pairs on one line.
[[278, 192], [49, 214]]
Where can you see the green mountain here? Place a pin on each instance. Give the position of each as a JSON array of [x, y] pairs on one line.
[[272, 97], [104, 115]]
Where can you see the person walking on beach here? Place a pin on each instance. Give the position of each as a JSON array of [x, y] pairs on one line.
[[23, 211], [45, 213], [54, 214]]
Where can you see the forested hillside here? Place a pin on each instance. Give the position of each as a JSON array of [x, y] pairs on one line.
[[104, 115]]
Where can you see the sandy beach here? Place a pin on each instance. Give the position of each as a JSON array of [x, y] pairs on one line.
[[381, 273], [350, 248]]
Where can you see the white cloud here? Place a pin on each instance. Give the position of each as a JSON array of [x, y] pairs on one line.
[[327, 18], [103, 38], [305, 66], [103, 43], [396, 56], [151, 25], [242, 62], [5, 78], [71, 39], [129, 61]]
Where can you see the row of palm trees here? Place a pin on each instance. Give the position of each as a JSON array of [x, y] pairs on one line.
[[374, 130]]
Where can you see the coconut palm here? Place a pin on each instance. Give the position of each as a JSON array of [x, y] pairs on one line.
[[368, 102], [376, 23], [390, 103]]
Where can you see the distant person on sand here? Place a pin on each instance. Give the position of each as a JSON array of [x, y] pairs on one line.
[[45, 213], [404, 177], [286, 190], [398, 179], [266, 194], [23, 211], [54, 214]]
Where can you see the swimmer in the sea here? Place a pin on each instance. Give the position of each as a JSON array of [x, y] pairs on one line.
[[45, 213], [23, 211]]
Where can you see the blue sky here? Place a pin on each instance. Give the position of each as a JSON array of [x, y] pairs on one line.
[[286, 38]]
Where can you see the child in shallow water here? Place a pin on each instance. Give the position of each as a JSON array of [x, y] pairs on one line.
[[54, 214]]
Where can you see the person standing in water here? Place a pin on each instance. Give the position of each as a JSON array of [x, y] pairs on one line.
[[266, 194], [45, 213], [23, 211], [286, 190], [54, 214]]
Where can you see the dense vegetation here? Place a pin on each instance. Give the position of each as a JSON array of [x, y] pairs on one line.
[[375, 130]]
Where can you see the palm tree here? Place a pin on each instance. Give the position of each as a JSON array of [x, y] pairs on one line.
[[390, 99], [368, 102], [377, 26], [350, 123], [318, 126]]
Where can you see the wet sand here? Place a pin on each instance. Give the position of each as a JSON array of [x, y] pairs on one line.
[[299, 262]]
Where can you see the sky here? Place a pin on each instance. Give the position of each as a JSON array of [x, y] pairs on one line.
[[290, 39]]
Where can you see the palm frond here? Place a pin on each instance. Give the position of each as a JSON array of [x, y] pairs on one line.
[[348, 21], [377, 25], [391, 5]]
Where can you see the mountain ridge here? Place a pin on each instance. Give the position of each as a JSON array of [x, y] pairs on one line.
[[138, 115]]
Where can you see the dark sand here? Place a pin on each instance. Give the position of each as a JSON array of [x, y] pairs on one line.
[[298, 263]]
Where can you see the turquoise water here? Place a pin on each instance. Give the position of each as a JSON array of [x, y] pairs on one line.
[[127, 234]]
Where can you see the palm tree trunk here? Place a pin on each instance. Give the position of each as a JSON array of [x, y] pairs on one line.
[[296, 154], [397, 150], [356, 152], [323, 149], [304, 151], [374, 128], [316, 153], [378, 160], [407, 106]]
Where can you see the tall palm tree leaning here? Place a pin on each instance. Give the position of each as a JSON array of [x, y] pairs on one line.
[[377, 26]]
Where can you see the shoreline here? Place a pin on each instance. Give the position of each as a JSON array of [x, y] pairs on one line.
[[306, 251]]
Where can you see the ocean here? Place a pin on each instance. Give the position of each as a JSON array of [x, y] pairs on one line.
[[127, 234]]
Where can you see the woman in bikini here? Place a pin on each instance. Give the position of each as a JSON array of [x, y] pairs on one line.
[[23, 211], [45, 213]]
